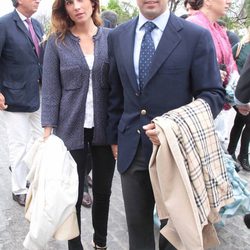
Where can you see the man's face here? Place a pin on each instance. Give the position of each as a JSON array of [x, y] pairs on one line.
[[152, 8], [28, 7]]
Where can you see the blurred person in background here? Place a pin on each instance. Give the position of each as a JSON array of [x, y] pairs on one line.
[[241, 127], [21, 56], [207, 15], [109, 18]]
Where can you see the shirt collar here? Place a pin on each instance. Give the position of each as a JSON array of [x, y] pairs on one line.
[[160, 21], [23, 18]]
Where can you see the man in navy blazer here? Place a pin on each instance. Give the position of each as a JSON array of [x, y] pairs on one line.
[[183, 67], [20, 80]]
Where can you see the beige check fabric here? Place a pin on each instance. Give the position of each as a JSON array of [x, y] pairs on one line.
[[194, 128]]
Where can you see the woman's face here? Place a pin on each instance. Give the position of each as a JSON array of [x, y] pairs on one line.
[[79, 11], [220, 7]]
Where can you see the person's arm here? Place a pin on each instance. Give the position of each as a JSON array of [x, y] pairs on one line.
[[2, 41], [242, 92], [205, 75], [115, 102], [51, 87]]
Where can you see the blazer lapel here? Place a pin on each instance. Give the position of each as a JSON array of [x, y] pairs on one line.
[[127, 48], [22, 27], [169, 41]]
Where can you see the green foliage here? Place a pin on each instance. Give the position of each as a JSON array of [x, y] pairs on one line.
[[238, 17], [247, 13], [124, 10]]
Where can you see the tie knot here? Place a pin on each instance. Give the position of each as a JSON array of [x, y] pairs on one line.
[[28, 21], [149, 26]]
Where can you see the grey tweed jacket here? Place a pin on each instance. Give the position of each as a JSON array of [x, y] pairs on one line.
[[65, 86]]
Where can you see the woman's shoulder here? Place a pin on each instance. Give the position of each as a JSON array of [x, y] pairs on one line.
[[197, 18]]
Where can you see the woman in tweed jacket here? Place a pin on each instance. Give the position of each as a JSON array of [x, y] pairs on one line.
[[74, 100]]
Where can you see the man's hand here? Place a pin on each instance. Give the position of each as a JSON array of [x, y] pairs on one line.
[[244, 109], [152, 133], [2, 102], [115, 150]]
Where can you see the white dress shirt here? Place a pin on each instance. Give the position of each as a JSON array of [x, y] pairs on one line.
[[160, 22], [23, 18]]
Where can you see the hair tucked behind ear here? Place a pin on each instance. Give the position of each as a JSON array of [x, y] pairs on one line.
[[196, 4]]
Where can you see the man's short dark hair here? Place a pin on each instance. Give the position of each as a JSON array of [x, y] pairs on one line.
[[15, 3], [110, 16]]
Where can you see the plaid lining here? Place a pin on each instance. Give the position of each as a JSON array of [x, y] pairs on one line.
[[194, 129]]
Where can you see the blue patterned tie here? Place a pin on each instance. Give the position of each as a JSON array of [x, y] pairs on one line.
[[146, 54]]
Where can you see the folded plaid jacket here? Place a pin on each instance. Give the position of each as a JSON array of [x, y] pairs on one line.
[[188, 176]]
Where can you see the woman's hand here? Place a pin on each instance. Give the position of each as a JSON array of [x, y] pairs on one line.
[[2, 102], [114, 148], [47, 132], [152, 133]]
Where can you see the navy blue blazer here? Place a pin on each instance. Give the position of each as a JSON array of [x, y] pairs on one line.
[[242, 92], [20, 67], [184, 67]]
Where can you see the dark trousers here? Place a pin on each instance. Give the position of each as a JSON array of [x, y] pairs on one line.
[[241, 127], [139, 205], [102, 175]]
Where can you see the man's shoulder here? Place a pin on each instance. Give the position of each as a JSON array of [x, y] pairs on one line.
[[125, 26], [187, 25], [6, 18]]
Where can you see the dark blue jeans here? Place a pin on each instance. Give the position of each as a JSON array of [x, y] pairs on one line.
[[102, 176]]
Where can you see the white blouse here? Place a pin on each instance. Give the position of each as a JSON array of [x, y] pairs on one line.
[[89, 109]]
